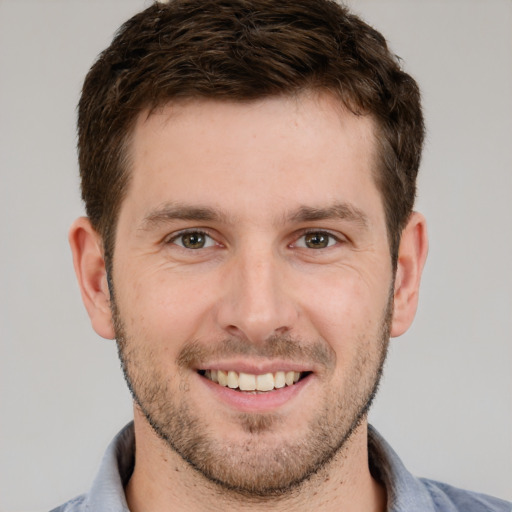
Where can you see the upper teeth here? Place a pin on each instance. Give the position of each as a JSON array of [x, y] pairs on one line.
[[251, 382]]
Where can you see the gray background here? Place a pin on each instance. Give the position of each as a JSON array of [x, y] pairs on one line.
[[446, 401]]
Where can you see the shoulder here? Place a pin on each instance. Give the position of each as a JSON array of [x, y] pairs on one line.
[[451, 499], [75, 505]]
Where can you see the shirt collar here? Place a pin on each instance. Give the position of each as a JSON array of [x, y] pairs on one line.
[[404, 491], [107, 491]]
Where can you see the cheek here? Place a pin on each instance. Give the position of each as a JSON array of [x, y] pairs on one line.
[[163, 308], [345, 310]]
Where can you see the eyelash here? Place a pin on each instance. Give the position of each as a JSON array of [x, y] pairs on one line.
[[200, 233], [172, 239], [317, 232]]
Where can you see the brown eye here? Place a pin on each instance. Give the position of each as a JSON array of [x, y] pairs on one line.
[[193, 240], [316, 240]]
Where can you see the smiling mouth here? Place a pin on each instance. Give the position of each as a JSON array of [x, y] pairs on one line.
[[250, 382]]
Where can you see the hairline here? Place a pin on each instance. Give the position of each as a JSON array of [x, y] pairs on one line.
[[125, 162]]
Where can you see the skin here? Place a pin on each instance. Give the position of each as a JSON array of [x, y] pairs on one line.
[[262, 295]]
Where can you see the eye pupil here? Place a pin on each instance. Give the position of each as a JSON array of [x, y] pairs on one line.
[[193, 240], [316, 240]]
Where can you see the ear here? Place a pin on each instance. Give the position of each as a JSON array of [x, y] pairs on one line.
[[89, 263], [412, 254]]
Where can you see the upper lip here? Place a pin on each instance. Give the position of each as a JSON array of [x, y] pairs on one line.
[[256, 367]]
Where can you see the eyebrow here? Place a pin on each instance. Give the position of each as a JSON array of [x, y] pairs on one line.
[[341, 211], [175, 211]]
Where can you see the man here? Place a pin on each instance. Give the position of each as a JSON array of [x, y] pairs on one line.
[[248, 169]]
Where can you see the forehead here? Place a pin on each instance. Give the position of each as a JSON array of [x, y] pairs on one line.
[[258, 155]]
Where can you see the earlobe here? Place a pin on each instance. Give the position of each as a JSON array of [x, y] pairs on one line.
[[90, 271], [411, 259]]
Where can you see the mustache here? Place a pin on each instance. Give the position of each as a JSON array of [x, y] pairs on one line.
[[196, 353]]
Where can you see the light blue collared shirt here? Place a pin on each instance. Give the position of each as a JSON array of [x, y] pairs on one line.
[[406, 493]]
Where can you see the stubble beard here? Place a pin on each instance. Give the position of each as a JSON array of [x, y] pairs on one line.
[[259, 467]]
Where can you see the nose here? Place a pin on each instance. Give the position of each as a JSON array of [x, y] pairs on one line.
[[256, 302]]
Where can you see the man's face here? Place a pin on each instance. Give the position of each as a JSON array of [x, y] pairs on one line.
[[251, 251]]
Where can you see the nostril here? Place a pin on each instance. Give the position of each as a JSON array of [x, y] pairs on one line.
[[233, 330], [254, 334]]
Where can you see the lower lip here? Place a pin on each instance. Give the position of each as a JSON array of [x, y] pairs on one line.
[[257, 402]]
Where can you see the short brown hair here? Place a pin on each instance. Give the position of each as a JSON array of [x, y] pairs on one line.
[[241, 50]]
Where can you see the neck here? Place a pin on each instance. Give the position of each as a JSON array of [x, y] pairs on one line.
[[162, 481]]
